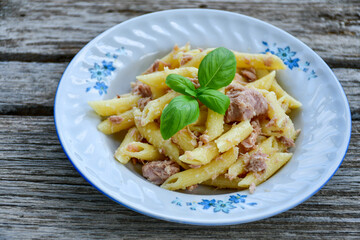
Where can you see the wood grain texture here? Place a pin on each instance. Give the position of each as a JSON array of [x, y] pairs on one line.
[[33, 86], [41, 29], [42, 194]]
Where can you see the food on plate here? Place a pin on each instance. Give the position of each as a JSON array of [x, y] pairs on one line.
[[204, 116]]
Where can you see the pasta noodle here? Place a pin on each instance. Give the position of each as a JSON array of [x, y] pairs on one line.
[[142, 151], [283, 96], [214, 124], [201, 155], [263, 61], [185, 139], [117, 123], [244, 60], [268, 146], [114, 106], [194, 176], [155, 107], [282, 124], [274, 163], [222, 181], [234, 136], [264, 82], [157, 79], [132, 135]]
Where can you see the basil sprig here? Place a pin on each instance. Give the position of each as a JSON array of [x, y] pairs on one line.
[[216, 70], [181, 111], [181, 84], [213, 99]]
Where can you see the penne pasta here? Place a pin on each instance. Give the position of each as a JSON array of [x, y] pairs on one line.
[[155, 107], [269, 146], [173, 57], [214, 124], [158, 92], [274, 163], [197, 128], [132, 135], [264, 82], [114, 106], [200, 155], [202, 117], [142, 151], [264, 61], [194, 176], [245, 60], [185, 139], [196, 60], [182, 58], [116, 123], [157, 79], [223, 182], [283, 96], [280, 123], [261, 72], [234, 136]]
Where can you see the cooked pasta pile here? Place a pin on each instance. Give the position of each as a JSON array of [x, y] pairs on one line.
[[238, 150]]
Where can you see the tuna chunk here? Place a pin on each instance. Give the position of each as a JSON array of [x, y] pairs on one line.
[[288, 142], [245, 103], [249, 74], [239, 79], [256, 162], [192, 187], [195, 81], [186, 58], [142, 102], [252, 188], [141, 89], [158, 171], [116, 119], [155, 66], [250, 141]]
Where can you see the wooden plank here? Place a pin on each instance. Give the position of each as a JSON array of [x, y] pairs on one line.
[[57, 30], [350, 81], [42, 196], [29, 88]]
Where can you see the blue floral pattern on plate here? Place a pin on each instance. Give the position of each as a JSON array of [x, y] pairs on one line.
[[234, 201], [101, 72], [289, 58]]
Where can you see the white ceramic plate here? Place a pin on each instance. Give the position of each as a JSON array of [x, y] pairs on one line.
[[106, 66]]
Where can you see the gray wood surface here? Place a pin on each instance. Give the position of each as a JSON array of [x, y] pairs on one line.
[[41, 194]]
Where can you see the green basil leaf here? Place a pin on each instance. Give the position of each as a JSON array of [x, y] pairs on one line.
[[180, 84], [213, 99], [217, 69], [181, 111]]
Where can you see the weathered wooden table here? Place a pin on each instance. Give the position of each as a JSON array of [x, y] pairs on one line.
[[43, 196]]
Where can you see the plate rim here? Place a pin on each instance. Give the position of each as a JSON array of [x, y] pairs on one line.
[[170, 218]]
